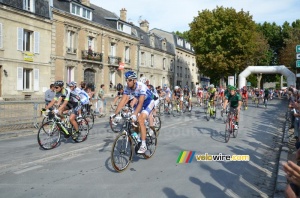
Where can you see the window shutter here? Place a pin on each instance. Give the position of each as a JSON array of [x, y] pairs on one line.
[[36, 43], [1, 36], [33, 6], [19, 78], [36, 84], [20, 39], [24, 4]]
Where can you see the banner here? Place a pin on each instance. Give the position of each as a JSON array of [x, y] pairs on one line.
[[121, 66]]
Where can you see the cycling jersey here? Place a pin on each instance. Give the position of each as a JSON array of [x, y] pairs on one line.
[[142, 90], [234, 100], [212, 91], [71, 96]]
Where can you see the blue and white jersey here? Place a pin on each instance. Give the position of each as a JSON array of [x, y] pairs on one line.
[[84, 97], [140, 90]]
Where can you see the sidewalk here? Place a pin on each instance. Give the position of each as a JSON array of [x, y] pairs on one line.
[[287, 153]]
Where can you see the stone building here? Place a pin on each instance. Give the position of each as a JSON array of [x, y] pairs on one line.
[[25, 37], [185, 68]]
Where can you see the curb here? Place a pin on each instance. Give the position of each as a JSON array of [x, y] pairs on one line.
[[281, 181]]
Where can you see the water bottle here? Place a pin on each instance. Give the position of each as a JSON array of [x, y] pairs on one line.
[[135, 136]]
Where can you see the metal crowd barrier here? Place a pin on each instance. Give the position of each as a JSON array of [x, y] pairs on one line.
[[16, 115]]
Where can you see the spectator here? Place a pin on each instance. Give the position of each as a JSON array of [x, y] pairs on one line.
[[101, 101], [49, 94]]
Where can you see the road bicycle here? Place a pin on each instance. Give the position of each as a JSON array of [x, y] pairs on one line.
[[127, 142], [185, 106], [176, 111], [164, 107], [266, 102], [243, 103], [88, 114], [50, 132], [230, 126], [226, 111], [211, 111]]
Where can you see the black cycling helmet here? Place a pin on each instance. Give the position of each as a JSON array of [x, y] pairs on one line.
[[119, 87], [59, 83], [151, 87]]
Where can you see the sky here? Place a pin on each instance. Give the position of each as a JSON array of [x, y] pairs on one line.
[[175, 15]]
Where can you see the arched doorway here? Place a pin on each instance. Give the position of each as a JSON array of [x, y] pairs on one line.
[[281, 69], [89, 76]]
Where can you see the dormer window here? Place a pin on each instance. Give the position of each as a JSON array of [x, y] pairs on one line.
[[28, 5], [164, 45], [152, 41], [179, 41], [80, 11]]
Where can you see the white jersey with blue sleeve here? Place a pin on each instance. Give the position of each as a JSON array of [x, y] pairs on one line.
[[84, 97], [140, 90]]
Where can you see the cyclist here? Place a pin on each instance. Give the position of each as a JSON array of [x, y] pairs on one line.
[[245, 96], [178, 95], [235, 100], [71, 100], [84, 98], [266, 96], [119, 95], [200, 95], [188, 96], [167, 92], [144, 106], [212, 95]]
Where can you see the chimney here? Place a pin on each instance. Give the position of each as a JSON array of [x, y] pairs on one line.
[[123, 14], [144, 25], [86, 2]]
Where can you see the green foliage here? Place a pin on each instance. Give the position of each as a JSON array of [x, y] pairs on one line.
[[226, 41], [184, 35]]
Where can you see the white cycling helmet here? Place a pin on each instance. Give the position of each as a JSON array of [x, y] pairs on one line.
[[143, 80], [176, 87], [212, 85]]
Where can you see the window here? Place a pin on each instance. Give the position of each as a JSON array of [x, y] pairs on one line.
[[113, 49], [1, 36], [152, 41], [81, 11], [127, 54], [28, 41], [70, 73], [120, 26], [164, 63], [91, 43], [75, 9], [152, 60], [112, 77], [143, 58], [27, 78], [71, 47], [28, 5]]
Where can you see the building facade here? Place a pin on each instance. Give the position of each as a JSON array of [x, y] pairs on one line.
[[90, 44], [25, 37], [185, 69]]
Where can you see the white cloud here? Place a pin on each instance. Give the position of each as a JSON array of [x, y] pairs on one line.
[[177, 14]]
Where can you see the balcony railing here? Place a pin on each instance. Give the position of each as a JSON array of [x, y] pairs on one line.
[[71, 50], [92, 55], [114, 60]]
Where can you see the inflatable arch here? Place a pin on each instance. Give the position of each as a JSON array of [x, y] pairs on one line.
[[281, 69]]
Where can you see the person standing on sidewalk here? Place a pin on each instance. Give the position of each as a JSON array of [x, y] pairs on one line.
[[49, 94], [101, 101]]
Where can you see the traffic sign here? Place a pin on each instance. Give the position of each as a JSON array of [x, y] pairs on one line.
[[297, 56], [248, 84], [298, 63], [298, 48]]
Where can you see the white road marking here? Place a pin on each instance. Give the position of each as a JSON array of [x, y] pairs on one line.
[[28, 169]]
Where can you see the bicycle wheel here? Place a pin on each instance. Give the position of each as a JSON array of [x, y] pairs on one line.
[[208, 113], [215, 113], [84, 129], [48, 135], [227, 131], [161, 108], [157, 123], [116, 124], [151, 142], [122, 151], [235, 132], [91, 119]]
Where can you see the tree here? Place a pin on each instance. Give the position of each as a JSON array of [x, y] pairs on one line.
[[184, 35], [225, 41]]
